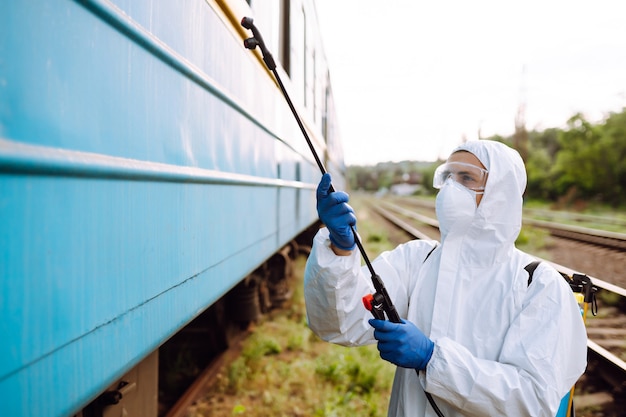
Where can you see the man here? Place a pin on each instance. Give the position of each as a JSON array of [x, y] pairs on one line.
[[484, 340]]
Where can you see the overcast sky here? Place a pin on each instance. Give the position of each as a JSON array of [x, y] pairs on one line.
[[412, 78]]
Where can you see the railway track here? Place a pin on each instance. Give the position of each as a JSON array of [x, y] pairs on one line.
[[207, 377], [611, 240], [606, 332], [598, 237]]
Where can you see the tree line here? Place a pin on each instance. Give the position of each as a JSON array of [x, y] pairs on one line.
[[583, 162]]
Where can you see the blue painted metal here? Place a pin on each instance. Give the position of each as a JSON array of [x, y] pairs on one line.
[[564, 406], [142, 175]]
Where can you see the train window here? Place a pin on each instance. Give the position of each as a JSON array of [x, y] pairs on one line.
[[298, 55], [325, 113], [328, 116], [285, 38], [309, 65], [320, 87], [313, 85], [297, 52], [306, 59]]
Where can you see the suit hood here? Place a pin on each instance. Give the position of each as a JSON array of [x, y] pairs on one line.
[[498, 218]]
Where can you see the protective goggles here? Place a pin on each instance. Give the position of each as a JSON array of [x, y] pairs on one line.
[[468, 175]]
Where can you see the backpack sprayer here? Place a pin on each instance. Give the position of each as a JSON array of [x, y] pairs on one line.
[[585, 294], [378, 303]]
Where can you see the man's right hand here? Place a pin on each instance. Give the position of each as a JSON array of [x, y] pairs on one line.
[[335, 212]]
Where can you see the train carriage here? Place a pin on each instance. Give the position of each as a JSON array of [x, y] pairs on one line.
[[148, 165]]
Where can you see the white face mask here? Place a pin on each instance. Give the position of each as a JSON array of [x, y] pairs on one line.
[[455, 207]]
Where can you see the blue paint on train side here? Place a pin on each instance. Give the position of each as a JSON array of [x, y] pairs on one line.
[[142, 175]]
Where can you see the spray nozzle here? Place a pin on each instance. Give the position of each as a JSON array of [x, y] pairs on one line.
[[257, 40]]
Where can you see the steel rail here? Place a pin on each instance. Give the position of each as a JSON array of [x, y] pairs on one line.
[[387, 213]]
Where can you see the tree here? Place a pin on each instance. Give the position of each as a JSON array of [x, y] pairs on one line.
[[585, 161], [576, 163], [612, 171]]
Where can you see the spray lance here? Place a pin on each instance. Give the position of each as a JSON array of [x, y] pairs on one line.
[[379, 303]]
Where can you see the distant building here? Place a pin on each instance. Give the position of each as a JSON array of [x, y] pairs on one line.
[[405, 189]]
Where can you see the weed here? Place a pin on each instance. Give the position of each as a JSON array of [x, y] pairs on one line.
[[286, 370], [533, 240]]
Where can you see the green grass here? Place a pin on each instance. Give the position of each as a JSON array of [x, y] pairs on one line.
[[374, 236], [285, 370], [591, 215], [534, 240]]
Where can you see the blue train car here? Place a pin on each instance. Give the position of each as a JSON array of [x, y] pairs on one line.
[[148, 164]]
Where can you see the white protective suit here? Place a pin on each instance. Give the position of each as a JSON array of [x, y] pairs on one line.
[[503, 347]]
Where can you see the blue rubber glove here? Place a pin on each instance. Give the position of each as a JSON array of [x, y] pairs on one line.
[[334, 211], [402, 344]]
